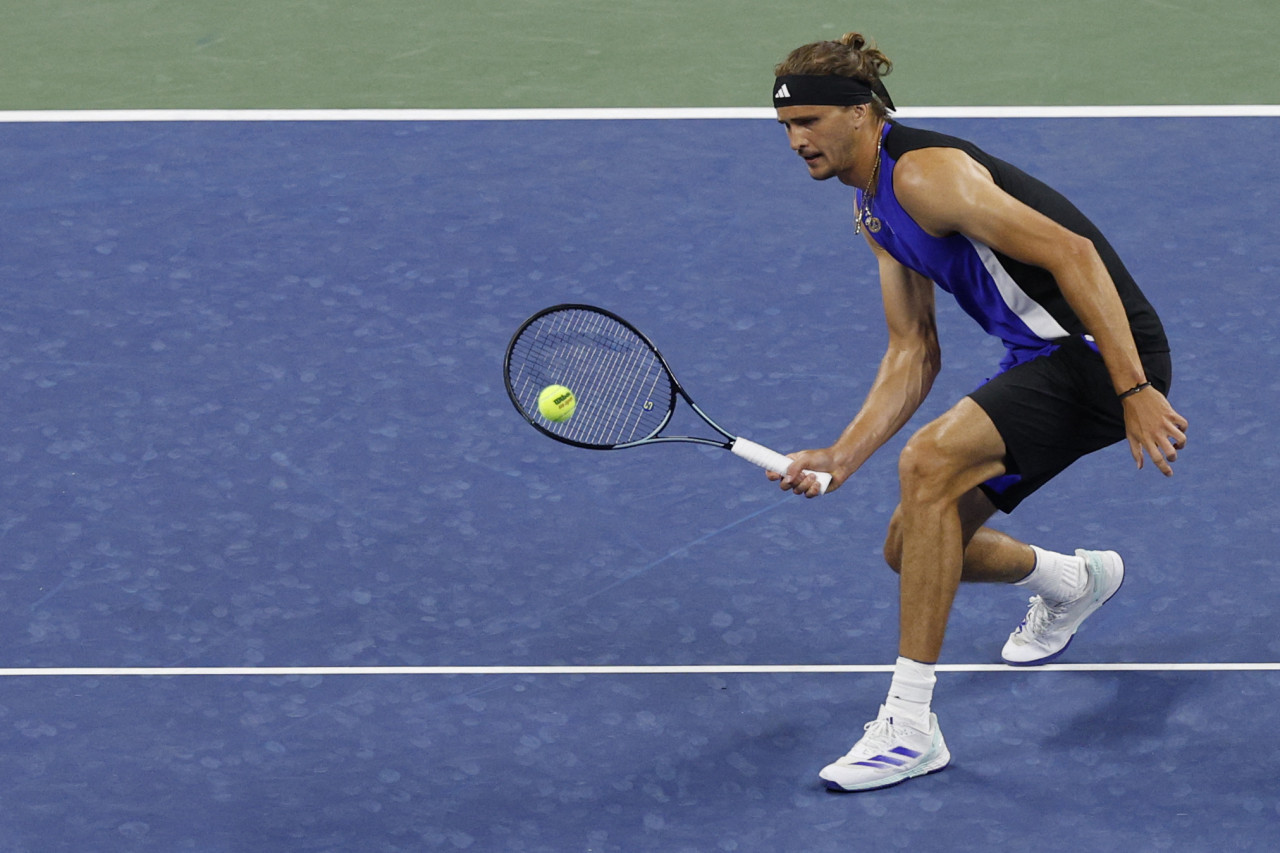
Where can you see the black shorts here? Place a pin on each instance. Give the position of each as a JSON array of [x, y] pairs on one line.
[[1052, 410]]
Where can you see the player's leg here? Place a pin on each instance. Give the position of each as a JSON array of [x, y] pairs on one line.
[[1066, 588], [939, 470], [941, 465], [990, 556], [1051, 411]]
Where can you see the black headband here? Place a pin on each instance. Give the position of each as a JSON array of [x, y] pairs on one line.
[[794, 90]]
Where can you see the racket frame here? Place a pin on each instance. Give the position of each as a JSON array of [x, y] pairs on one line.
[[742, 447], [654, 436]]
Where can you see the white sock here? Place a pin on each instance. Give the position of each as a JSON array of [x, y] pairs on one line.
[[911, 693], [1056, 577]]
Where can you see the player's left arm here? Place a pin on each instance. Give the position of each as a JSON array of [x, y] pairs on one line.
[[947, 191]]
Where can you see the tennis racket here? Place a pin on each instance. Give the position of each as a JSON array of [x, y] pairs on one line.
[[626, 393]]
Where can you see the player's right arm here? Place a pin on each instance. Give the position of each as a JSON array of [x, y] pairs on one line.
[[911, 362]]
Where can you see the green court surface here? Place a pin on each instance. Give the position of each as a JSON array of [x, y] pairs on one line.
[[255, 54]]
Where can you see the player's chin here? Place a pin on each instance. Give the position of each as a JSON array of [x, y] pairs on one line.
[[818, 170]]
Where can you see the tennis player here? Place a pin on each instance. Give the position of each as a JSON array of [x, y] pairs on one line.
[[1086, 364]]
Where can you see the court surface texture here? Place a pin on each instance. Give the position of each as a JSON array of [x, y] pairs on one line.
[[284, 570]]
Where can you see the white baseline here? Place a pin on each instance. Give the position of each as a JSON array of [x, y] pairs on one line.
[[709, 669], [625, 113]]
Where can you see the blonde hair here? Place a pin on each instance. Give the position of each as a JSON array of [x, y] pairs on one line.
[[852, 55]]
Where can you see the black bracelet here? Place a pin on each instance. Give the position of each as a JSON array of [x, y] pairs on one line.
[[1134, 390]]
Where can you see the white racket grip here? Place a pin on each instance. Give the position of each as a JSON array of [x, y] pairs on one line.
[[774, 461]]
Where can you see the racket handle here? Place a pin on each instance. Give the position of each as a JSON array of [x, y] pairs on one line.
[[774, 461]]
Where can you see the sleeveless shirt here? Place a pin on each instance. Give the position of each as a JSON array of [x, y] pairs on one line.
[[1019, 303]]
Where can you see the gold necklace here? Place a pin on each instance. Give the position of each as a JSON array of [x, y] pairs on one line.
[[862, 212]]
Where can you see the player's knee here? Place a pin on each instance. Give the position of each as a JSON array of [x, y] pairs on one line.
[[924, 467]]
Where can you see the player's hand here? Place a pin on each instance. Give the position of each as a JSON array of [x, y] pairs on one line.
[[1154, 428], [796, 480]]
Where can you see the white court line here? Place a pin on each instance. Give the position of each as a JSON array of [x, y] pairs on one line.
[[710, 669], [623, 113]]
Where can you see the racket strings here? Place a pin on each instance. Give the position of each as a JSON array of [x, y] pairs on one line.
[[599, 374], [616, 367], [623, 391], [626, 380], [632, 372]]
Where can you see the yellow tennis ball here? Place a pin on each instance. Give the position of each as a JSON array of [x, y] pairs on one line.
[[557, 403]]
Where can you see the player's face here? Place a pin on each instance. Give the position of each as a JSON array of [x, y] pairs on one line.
[[824, 137]]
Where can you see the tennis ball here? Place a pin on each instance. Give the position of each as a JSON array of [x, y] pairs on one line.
[[557, 403]]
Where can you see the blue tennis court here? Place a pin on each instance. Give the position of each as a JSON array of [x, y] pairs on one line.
[[284, 570]]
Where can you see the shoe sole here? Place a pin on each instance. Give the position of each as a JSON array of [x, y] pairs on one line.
[[1052, 657]]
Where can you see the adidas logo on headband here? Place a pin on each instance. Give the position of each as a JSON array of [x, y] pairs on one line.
[[830, 89]]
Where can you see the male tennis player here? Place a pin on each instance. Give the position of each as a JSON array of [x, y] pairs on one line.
[[1086, 365]]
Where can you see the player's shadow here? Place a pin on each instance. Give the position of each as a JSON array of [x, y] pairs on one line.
[[1138, 713]]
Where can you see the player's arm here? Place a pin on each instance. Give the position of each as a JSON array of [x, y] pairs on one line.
[[946, 191], [906, 373]]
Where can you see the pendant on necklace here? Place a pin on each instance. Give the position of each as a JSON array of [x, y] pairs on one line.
[[873, 223]]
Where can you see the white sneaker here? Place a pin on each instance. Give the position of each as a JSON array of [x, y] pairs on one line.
[[1048, 628], [887, 754]]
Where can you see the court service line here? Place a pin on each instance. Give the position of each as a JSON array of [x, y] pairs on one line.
[[623, 113], [708, 669]]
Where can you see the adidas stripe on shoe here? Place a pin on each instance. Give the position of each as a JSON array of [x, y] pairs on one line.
[[1048, 628], [889, 753]]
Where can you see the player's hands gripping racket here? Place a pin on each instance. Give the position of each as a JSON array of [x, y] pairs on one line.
[[621, 391]]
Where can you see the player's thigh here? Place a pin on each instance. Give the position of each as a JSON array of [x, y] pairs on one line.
[[951, 455]]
